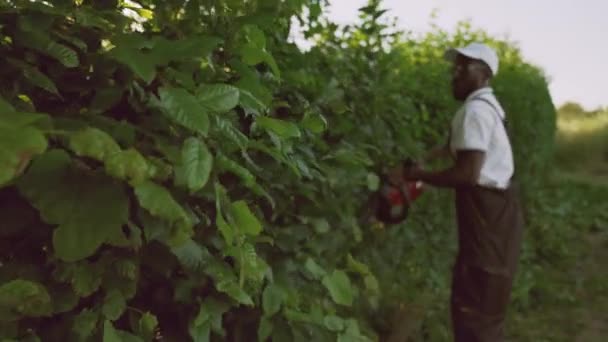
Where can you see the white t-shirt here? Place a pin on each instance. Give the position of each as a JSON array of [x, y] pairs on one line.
[[478, 126]]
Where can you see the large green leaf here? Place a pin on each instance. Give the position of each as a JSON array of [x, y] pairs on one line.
[[146, 326], [254, 55], [191, 255], [225, 164], [23, 298], [141, 64], [265, 328], [340, 287], [228, 232], [272, 299], [226, 281], [39, 40], [165, 50], [218, 98], [17, 146], [85, 323], [160, 203], [244, 220], [183, 108], [227, 130], [88, 209], [111, 334], [5, 106], [196, 164], [282, 128], [251, 103], [128, 165], [209, 319], [86, 278], [34, 76], [114, 305], [93, 143]]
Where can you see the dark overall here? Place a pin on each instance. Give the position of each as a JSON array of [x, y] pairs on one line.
[[490, 225]]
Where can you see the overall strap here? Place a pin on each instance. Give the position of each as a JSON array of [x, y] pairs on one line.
[[504, 121]]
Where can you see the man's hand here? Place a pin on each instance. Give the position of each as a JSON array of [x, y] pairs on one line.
[[395, 175], [399, 174], [412, 173]]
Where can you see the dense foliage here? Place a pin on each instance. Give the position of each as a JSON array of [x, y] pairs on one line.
[[182, 169]]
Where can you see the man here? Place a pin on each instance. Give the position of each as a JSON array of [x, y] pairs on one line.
[[489, 217]]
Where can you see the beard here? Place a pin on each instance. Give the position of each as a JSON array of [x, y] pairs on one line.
[[461, 88]]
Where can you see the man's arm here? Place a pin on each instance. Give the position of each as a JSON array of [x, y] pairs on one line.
[[465, 171]]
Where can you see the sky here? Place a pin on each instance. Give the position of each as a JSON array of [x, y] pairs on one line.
[[568, 39]]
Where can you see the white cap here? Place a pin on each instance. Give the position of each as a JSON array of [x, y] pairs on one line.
[[477, 51]]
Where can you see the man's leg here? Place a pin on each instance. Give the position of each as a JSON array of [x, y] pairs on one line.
[[479, 303]]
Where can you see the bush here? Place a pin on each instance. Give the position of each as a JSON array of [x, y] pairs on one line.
[[180, 168]]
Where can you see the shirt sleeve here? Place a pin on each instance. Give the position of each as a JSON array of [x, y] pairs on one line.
[[473, 131]]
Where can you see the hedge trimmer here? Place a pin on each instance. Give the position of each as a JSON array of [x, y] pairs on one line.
[[390, 203]]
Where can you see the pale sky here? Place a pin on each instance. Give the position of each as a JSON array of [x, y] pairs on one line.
[[566, 38]]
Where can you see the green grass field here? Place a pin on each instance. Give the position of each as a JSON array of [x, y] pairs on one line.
[[573, 218]]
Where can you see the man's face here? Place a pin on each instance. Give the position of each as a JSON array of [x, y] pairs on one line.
[[465, 77]]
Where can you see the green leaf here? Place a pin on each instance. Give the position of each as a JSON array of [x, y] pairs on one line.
[[12, 119], [250, 103], [41, 41], [196, 164], [72, 241], [227, 130], [209, 319], [64, 298], [190, 254], [317, 271], [146, 326], [244, 220], [111, 334], [243, 173], [340, 287], [284, 129], [316, 123], [37, 78], [138, 62], [225, 281], [17, 146], [321, 225], [193, 47], [86, 278], [128, 165], [356, 266], [264, 329], [200, 332], [218, 98], [105, 98], [253, 55], [183, 108], [159, 202], [90, 209], [5, 106], [226, 230], [255, 36], [272, 298], [373, 181], [333, 323], [85, 323], [23, 298], [93, 143], [114, 305]]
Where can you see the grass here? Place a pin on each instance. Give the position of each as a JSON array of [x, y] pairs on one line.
[[582, 144], [569, 302]]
